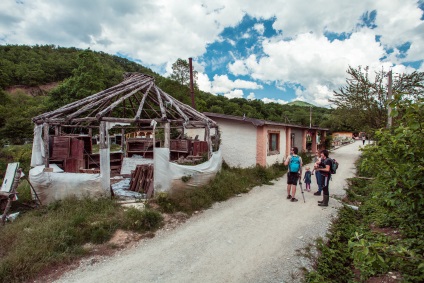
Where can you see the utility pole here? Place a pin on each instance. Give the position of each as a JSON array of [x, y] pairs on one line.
[[193, 104], [389, 99]]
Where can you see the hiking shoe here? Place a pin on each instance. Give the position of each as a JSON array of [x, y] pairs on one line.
[[293, 199], [317, 193], [289, 197]]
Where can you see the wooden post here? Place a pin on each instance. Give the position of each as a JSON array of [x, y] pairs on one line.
[[217, 138], [208, 139], [46, 144], [122, 140], [167, 131], [104, 158]]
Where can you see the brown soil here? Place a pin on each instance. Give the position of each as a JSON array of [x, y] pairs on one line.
[[32, 90]]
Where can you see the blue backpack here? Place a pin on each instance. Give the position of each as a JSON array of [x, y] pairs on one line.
[[294, 164]]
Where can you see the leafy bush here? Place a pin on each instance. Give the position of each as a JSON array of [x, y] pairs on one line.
[[385, 234], [227, 183]]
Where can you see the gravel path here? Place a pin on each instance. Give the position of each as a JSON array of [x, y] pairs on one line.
[[251, 238]]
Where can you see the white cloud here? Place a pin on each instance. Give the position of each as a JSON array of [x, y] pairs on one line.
[[260, 28], [204, 82], [237, 93], [238, 68], [311, 60], [251, 96], [269, 100], [222, 84]]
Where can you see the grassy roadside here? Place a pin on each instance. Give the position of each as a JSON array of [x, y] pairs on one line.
[[372, 244], [58, 234]]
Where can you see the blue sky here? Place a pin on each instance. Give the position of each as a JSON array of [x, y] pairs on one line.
[[278, 51]]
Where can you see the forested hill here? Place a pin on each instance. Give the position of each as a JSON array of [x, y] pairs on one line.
[[76, 73]]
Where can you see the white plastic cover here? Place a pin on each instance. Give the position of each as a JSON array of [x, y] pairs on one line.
[[37, 147], [52, 186], [168, 176]]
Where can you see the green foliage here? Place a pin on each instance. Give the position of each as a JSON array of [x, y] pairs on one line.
[[142, 220], [385, 234], [362, 104], [16, 112], [334, 262], [81, 73], [227, 183], [56, 234], [15, 153], [181, 72]]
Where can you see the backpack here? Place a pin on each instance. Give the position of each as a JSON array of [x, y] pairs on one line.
[[334, 166], [294, 164]]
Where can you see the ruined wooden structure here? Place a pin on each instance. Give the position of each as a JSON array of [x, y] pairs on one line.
[[136, 105]]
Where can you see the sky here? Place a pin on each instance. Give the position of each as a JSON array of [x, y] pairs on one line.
[[275, 50]]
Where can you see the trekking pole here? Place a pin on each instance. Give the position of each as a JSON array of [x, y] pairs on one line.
[[301, 189]]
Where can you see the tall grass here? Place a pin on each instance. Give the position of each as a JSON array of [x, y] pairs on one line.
[[227, 183], [56, 234]]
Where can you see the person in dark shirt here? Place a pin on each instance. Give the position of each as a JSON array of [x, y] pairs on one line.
[[324, 168]]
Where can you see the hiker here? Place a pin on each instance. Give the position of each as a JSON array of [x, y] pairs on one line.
[[294, 163], [324, 168], [363, 139], [307, 179], [317, 160]]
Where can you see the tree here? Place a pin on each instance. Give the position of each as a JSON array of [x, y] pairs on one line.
[[87, 79], [362, 103], [181, 73]]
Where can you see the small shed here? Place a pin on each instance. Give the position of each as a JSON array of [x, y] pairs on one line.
[[149, 124]]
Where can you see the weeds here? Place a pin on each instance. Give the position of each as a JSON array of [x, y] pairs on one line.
[[227, 183], [56, 233]]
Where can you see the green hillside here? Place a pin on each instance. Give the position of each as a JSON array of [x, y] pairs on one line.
[[300, 103], [45, 77]]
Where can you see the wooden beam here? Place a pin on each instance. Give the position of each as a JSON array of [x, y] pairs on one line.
[[140, 107], [46, 144]]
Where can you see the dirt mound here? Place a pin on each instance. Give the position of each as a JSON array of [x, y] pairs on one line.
[[32, 90]]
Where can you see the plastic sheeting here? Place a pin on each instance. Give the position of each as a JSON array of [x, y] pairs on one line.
[[38, 154], [168, 176], [53, 186], [121, 189]]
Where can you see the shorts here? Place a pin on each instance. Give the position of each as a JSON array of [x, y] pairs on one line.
[[292, 178]]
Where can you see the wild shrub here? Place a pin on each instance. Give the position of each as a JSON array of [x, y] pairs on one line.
[[229, 182], [389, 235]]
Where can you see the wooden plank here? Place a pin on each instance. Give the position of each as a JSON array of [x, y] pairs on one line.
[[77, 148], [60, 147]]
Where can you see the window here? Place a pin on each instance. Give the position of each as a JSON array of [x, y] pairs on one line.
[[273, 143]]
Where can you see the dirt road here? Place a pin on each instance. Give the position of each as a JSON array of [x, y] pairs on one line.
[[251, 238]]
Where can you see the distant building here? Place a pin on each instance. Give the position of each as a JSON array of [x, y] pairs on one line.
[[246, 142]]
